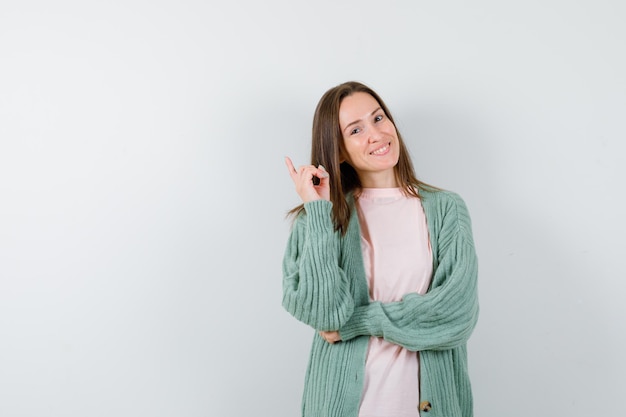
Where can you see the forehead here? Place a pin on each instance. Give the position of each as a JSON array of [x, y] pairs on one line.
[[356, 107]]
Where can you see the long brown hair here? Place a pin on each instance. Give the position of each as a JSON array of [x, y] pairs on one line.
[[328, 149]]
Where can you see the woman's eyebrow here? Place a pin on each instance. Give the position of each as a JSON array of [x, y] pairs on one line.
[[357, 121]]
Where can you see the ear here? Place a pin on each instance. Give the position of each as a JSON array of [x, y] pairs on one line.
[[342, 156]]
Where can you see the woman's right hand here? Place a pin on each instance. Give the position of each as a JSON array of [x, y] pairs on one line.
[[303, 180]]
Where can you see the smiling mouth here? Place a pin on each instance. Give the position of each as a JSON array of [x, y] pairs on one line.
[[381, 151]]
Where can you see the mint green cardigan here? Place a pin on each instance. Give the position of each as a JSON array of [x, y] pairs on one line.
[[324, 286]]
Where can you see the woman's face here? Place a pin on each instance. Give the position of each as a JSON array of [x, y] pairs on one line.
[[370, 139]]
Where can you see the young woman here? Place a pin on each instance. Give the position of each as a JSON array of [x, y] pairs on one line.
[[382, 266]]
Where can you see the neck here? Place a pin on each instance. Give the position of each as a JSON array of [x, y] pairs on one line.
[[378, 180]]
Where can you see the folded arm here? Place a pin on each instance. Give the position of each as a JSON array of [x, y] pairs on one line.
[[444, 317], [441, 319]]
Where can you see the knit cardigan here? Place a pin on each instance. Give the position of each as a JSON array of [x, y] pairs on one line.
[[324, 286]]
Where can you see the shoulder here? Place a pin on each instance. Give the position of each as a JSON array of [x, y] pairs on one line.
[[447, 209], [442, 200]]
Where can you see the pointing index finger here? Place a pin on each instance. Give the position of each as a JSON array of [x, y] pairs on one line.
[[290, 167]]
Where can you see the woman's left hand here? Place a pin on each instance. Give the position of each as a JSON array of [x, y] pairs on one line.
[[331, 337]]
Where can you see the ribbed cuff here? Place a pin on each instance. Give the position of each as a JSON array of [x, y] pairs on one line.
[[362, 323], [319, 214]]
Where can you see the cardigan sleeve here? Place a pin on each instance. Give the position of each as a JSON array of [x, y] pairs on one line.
[[316, 290], [444, 317]]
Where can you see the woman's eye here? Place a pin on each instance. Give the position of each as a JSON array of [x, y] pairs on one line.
[[378, 118], [355, 131]]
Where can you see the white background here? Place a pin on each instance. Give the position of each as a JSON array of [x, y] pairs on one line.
[[143, 193]]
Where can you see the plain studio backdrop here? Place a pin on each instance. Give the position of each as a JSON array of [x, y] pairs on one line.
[[143, 193]]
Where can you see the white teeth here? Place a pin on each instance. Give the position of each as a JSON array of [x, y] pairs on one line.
[[381, 150]]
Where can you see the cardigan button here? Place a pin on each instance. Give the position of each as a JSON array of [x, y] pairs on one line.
[[425, 406]]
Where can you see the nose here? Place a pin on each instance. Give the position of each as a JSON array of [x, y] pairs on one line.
[[375, 134]]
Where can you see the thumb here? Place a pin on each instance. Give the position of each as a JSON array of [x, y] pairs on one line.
[[323, 175]]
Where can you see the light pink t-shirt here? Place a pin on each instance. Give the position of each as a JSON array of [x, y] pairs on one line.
[[398, 260]]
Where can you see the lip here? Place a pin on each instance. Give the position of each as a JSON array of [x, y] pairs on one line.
[[383, 150]]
